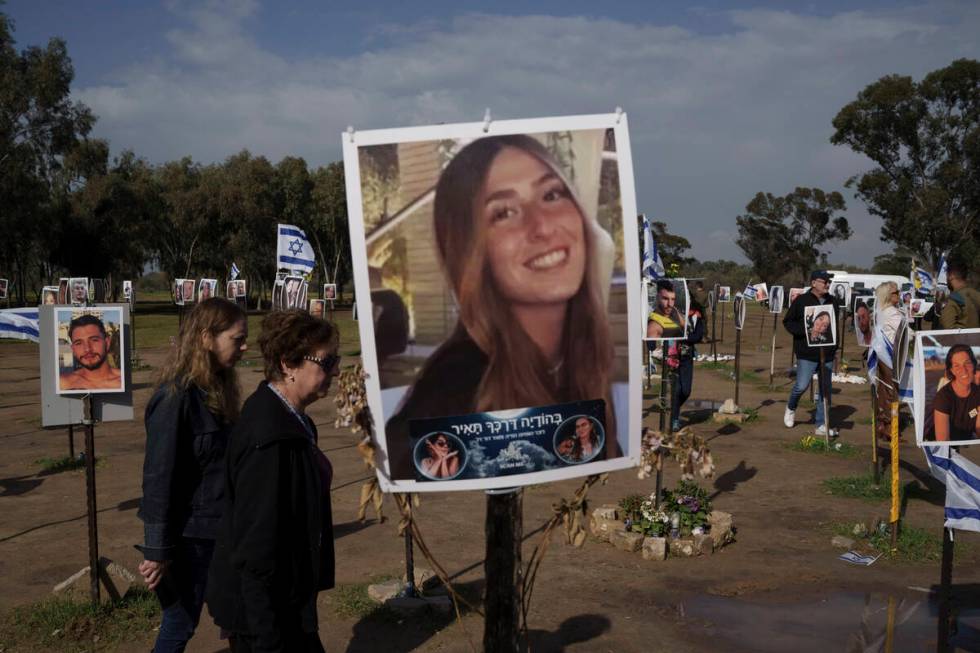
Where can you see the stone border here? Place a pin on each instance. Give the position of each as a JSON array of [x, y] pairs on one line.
[[606, 526]]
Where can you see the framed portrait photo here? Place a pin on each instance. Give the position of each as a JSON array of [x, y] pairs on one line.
[[667, 302], [724, 293], [206, 289], [88, 345], [794, 293], [738, 311], [317, 307], [776, 297], [841, 291], [49, 295], [946, 387], [63, 292], [330, 291], [471, 379], [188, 290], [864, 318], [78, 287], [820, 325]]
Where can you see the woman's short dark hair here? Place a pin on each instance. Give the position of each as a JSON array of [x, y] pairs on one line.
[[955, 349], [288, 336]]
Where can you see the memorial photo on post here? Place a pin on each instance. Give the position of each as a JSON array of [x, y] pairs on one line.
[[821, 328], [88, 348], [187, 291], [864, 311], [724, 293], [317, 307], [841, 291], [794, 293], [63, 293], [738, 311], [776, 297], [946, 381], [292, 293], [330, 291], [49, 295], [206, 289], [485, 265], [666, 313], [79, 290]]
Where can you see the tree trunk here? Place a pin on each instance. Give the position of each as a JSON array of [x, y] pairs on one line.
[[502, 566]]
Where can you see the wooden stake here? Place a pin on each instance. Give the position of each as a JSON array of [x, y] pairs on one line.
[[502, 568], [714, 342], [663, 385], [772, 352], [876, 468], [894, 455], [723, 326], [93, 526], [71, 441], [410, 589], [945, 589], [738, 359]]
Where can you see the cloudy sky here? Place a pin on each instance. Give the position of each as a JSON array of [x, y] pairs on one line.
[[724, 99]]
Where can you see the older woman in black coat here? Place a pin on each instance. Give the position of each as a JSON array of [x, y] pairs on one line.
[[274, 551]]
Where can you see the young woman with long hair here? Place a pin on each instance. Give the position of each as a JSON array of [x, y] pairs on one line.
[[188, 420], [524, 261]]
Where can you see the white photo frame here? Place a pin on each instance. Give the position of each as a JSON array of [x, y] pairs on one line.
[[820, 325], [934, 352], [445, 141], [88, 346]]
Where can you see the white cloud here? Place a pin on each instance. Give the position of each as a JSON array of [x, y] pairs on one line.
[[713, 118]]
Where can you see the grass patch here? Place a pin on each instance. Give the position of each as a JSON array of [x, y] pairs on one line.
[[68, 625], [352, 600], [728, 370], [914, 544], [814, 444], [858, 487], [63, 464], [864, 421]]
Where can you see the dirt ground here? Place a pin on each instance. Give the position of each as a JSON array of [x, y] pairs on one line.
[[595, 598]]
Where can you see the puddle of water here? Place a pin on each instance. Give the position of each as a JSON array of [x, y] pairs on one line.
[[854, 623]]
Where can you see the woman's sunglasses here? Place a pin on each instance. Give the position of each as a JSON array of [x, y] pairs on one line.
[[327, 363]]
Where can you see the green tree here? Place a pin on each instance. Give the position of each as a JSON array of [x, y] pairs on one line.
[[788, 233], [329, 221], [924, 139], [39, 126]]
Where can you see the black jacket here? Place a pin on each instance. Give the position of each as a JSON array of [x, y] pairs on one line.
[[274, 550], [794, 323], [183, 470]]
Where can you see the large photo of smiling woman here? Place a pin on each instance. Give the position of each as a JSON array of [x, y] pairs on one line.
[[500, 291]]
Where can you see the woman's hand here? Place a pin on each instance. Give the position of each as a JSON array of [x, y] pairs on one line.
[[152, 572]]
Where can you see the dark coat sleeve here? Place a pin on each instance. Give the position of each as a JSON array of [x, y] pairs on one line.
[[793, 321], [163, 419], [697, 333]]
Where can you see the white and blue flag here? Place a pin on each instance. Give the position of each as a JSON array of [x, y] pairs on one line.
[[294, 252], [234, 271], [19, 323], [922, 280], [943, 269], [653, 266], [962, 480]]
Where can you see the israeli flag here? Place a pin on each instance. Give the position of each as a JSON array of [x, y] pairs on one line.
[[922, 280], [750, 292], [653, 267], [19, 323], [234, 271], [294, 252], [943, 269], [962, 480]]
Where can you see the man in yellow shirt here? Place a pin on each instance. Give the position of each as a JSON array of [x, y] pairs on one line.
[[665, 321]]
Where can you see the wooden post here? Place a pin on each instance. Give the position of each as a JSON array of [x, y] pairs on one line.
[[93, 526], [890, 626], [893, 517], [410, 589], [723, 326], [738, 359], [670, 398], [663, 385], [772, 353], [824, 399], [714, 342], [945, 588], [840, 335], [71, 441], [876, 468], [502, 568]]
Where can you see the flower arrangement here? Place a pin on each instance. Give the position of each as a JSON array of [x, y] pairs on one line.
[[689, 501]]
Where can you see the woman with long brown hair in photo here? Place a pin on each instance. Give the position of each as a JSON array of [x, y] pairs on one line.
[[524, 261], [188, 420]]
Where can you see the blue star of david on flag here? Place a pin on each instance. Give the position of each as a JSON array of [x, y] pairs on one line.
[[294, 252]]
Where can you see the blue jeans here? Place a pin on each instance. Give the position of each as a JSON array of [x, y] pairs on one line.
[[804, 373], [181, 593]]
